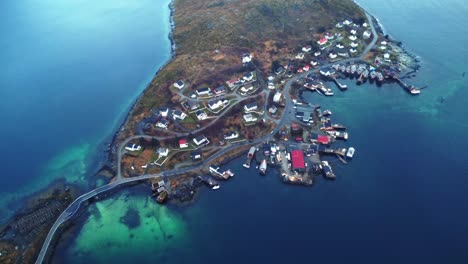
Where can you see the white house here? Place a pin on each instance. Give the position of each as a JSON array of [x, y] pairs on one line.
[[179, 115], [300, 56], [220, 90], [164, 111], [339, 25], [332, 55], [383, 47], [347, 22], [383, 43], [353, 31], [217, 103], [352, 37], [307, 48], [163, 123], [246, 58], [353, 50], [133, 147], [340, 45], [354, 45], [201, 115], [277, 97], [365, 25], [329, 36], [248, 76], [327, 71], [201, 140], [271, 85], [163, 152], [231, 135], [317, 53], [367, 34], [386, 57], [247, 88], [179, 84], [249, 118], [250, 107], [203, 91]]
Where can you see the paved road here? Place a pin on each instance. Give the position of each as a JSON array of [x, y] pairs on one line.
[[75, 205]]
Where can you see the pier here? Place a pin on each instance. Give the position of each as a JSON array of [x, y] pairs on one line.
[[408, 87], [340, 86]]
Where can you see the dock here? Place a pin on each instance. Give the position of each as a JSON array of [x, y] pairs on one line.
[[339, 152], [408, 87], [340, 86]]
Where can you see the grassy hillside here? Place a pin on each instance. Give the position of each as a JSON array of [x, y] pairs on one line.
[[211, 35]]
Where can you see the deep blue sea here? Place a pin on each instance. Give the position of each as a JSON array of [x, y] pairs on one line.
[[70, 70], [403, 199]]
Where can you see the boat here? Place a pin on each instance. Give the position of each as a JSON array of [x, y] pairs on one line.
[[348, 69], [326, 113], [325, 90], [342, 68], [327, 170], [365, 74], [380, 77], [251, 153], [162, 197], [337, 134], [413, 90], [353, 69], [247, 163], [228, 173], [263, 167], [372, 75], [360, 70], [350, 152], [338, 127]]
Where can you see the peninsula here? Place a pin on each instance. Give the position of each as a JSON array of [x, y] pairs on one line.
[[233, 87]]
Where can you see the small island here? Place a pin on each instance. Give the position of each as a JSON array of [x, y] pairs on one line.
[[234, 88]]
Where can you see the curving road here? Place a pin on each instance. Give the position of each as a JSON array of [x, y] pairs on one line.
[[75, 205]]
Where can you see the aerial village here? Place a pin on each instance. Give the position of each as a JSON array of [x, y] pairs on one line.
[[262, 117]]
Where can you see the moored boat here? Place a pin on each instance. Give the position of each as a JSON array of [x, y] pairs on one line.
[[263, 167], [162, 197], [350, 152], [327, 170]]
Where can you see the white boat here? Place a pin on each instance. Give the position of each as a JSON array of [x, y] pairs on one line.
[[350, 152], [263, 167], [215, 187], [415, 91], [325, 90]]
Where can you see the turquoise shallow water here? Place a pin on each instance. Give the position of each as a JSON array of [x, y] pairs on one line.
[[401, 200], [70, 71]]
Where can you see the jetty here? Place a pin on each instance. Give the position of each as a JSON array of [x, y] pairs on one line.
[[340, 86], [408, 87]]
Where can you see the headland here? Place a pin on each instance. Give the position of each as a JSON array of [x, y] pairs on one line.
[[234, 88]]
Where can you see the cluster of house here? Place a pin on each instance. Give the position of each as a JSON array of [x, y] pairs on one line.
[[335, 45], [217, 104], [162, 121]]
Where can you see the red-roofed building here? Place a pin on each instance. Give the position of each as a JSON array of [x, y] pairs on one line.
[[183, 143], [297, 161], [323, 140], [322, 41]]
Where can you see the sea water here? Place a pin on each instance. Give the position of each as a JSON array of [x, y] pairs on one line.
[[70, 71], [402, 199]]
